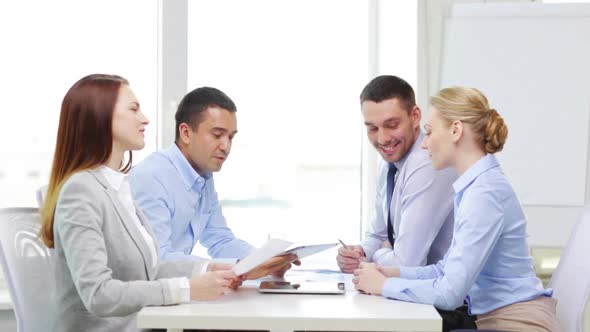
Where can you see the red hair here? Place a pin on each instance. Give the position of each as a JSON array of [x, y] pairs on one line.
[[84, 137]]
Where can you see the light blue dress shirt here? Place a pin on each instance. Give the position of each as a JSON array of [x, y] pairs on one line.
[[488, 263], [182, 207], [421, 212]]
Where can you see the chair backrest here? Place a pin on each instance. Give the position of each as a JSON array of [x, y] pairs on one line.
[[40, 194], [571, 279], [28, 269]]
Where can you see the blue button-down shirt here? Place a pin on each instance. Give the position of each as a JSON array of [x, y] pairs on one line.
[[488, 263], [182, 207]]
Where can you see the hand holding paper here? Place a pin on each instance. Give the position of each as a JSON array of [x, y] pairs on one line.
[[262, 261], [277, 265], [261, 255]]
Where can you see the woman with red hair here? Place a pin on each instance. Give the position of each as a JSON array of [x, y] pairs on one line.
[[107, 265]]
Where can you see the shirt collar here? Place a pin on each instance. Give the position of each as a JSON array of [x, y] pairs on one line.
[[399, 164], [114, 178], [184, 168], [485, 163]]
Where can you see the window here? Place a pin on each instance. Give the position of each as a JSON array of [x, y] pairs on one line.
[[47, 46], [295, 70]]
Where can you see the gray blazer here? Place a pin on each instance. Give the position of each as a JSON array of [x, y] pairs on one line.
[[103, 267]]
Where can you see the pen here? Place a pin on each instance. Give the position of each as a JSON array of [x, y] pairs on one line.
[[344, 245]]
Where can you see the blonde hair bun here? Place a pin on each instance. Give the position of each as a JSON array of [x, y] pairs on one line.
[[496, 132], [469, 105]]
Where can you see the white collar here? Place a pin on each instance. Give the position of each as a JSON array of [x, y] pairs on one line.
[[115, 178]]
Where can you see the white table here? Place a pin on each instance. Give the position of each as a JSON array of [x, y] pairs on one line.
[[247, 309]]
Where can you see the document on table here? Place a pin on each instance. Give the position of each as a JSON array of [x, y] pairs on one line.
[[277, 247]]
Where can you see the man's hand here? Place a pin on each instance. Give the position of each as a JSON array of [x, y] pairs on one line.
[[276, 266], [369, 279], [235, 283], [388, 271], [349, 259], [280, 272]]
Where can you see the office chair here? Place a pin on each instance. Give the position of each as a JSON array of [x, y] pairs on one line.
[[28, 269], [571, 279], [40, 195]]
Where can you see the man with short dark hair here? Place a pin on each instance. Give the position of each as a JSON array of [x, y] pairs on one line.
[[414, 206], [413, 225], [175, 187]]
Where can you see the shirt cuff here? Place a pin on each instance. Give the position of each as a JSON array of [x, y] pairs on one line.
[[391, 288], [180, 290]]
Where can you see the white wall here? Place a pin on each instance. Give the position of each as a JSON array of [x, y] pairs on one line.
[[549, 225]]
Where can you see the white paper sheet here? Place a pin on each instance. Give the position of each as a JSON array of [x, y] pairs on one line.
[[277, 247], [270, 249], [308, 250]]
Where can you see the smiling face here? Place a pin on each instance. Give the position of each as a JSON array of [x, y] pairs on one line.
[[208, 146], [390, 128], [439, 139], [128, 122]]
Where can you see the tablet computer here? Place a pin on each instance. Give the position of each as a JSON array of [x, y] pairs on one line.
[[304, 287]]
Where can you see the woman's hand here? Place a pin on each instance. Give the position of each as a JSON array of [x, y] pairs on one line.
[[389, 271], [369, 279], [219, 266], [212, 285], [237, 282]]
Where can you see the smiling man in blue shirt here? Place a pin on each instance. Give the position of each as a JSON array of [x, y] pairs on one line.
[[413, 221], [175, 188]]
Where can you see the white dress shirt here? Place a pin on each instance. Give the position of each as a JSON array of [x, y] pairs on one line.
[[180, 287], [421, 212]]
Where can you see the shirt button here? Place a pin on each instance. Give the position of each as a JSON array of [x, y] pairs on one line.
[[200, 179]]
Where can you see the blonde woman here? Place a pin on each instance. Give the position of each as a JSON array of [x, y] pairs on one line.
[[488, 263]]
